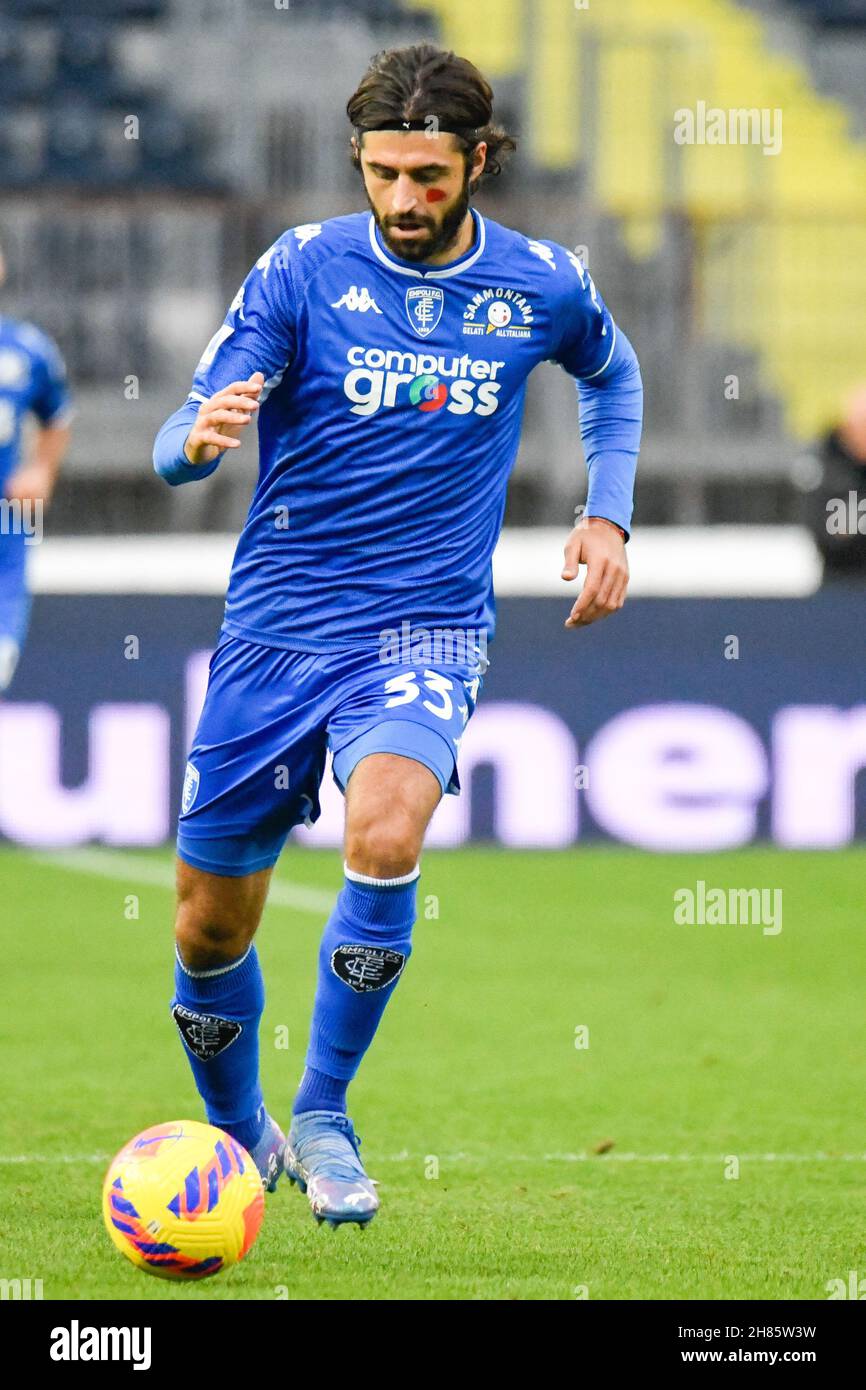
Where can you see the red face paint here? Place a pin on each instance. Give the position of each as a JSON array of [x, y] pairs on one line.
[[435, 195]]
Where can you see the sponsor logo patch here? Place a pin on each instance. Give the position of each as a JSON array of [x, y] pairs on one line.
[[206, 1035], [428, 393], [507, 313], [365, 968], [382, 378]]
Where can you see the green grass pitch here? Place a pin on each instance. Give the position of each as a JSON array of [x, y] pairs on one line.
[[512, 1163]]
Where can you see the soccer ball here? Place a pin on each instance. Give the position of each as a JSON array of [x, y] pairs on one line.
[[183, 1200]]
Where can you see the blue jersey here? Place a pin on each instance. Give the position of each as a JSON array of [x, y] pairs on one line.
[[32, 380], [390, 422]]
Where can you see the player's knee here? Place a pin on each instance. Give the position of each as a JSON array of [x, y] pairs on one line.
[[384, 845], [210, 933]]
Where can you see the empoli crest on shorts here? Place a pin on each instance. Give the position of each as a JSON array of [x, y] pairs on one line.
[[190, 788]]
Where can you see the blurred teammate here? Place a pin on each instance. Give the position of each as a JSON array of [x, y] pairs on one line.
[[32, 382], [834, 477], [385, 356]]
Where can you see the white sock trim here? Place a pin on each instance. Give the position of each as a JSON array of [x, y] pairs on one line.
[[355, 877], [210, 974]]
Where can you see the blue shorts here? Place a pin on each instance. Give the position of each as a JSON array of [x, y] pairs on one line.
[[14, 618], [269, 718]]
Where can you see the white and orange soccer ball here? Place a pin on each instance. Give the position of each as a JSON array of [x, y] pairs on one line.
[[183, 1200]]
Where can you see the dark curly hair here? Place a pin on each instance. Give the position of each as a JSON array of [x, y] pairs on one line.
[[420, 82]]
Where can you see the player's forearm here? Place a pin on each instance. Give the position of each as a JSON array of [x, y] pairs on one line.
[[37, 478], [47, 453], [169, 459], [49, 448], [611, 417]]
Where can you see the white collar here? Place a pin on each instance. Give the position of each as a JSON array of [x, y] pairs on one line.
[[444, 272]]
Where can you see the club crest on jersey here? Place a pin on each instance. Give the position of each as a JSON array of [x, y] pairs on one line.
[[190, 788], [424, 305], [507, 313]]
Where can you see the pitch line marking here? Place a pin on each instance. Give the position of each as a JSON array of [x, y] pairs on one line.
[[107, 863], [600, 1159]]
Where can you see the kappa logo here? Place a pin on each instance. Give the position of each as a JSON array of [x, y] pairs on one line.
[[544, 252], [358, 301], [225, 331], [206, 1035], [304, 234], [493, 311], [237, 304], [424, 305], [190, 788], [264, 262], [366, 968], [586, 279]]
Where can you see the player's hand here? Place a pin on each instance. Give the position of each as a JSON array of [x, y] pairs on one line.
[[221, 419], [598, 545], [32, 483]]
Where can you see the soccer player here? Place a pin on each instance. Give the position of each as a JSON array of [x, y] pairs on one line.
[[384, 356], [32, 382]]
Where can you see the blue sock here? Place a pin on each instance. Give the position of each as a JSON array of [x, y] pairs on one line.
[[318, 1091], [366, 943], [217, 1013]]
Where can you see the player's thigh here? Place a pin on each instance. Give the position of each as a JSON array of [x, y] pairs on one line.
[[217, 915], [389, 801], [395, 732], [14, 618], [416, 711]]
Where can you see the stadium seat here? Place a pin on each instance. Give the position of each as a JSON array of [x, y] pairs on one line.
[[114, 11], [73, 152], [84, 59], [21, 163], [832, 13], [781, 241]]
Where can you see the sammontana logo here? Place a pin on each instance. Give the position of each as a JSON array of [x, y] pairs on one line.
[[493, 311]]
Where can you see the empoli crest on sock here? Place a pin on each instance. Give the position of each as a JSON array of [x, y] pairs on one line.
[[206, 1035], [365, 968]]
